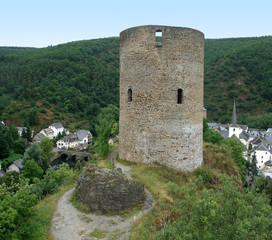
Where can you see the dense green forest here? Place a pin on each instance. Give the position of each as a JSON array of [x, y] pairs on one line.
[[12, 50], [238, 69], [68, 83], [72, 82]]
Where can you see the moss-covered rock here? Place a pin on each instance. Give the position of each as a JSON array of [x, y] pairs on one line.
[[104, 190]]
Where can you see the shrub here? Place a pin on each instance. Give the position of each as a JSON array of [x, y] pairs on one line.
[[206, 175], [32, 170], [212, 214], [15, 210]]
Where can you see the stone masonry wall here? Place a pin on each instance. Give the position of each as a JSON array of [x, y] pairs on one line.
[[154, 127]]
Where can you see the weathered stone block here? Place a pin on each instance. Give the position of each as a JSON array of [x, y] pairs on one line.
[[104, 190]]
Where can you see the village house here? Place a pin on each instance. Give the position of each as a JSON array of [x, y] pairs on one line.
[[38, 137], [263, 155], [47, 132], [51, 132], [57, 128], [15, 166], [79, 140]]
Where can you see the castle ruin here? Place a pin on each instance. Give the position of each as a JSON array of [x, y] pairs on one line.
[[161, 96]]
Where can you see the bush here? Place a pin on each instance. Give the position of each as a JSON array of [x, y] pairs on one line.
[[11, 180], [52, 180], [212, 214], [206, 175], [49, 184], [16, 210], [43, 111], [210, 135], [63, 173], [32, 170]]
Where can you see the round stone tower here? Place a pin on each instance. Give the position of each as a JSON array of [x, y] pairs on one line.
[[161, 96]]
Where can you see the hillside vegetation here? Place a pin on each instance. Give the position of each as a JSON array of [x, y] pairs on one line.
[[72, 82], [68, 83], [12, 50], [241, 70]]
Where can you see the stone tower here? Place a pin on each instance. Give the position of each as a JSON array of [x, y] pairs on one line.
[[161, 96]]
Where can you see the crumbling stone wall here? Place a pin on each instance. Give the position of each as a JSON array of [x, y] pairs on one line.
[[161, 96]]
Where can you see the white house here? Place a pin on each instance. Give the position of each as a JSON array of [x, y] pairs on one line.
[[80, 139], [245, 139], [84, 136], [48, 132], [57, 128], [16, 166], [68, 142], [263, 155], [256, 132]]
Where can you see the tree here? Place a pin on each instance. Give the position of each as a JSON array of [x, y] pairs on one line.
[[115, 129], [26, 133], [11, 180], [252, 171], [33, 152], [111, 110], [12, 135], [16, 210], [103, 130], [4, 148], [13, 131], [46, 146], [237, 149], [32, 170], [33, 117], [20, 146]]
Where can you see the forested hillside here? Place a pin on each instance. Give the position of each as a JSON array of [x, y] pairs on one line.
[[241, 70], [68, 83], [72, 82], [12, 50]]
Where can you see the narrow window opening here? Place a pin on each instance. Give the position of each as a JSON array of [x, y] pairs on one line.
[[158, 36], [180, 96], [129, 95]]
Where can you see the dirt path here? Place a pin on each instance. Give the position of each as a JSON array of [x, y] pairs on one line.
[[71, 224]]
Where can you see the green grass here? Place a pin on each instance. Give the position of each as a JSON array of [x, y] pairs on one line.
[[127, 213], [99, 233], [84, 218], [45, 209], [106, 163], [157, 179], [117, 234], [44, 212], [78, 204], [126, 163]]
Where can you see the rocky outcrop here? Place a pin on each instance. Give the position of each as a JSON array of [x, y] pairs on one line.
[[104, 190]]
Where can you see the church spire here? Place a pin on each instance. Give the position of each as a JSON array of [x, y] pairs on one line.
[[234, 118]]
